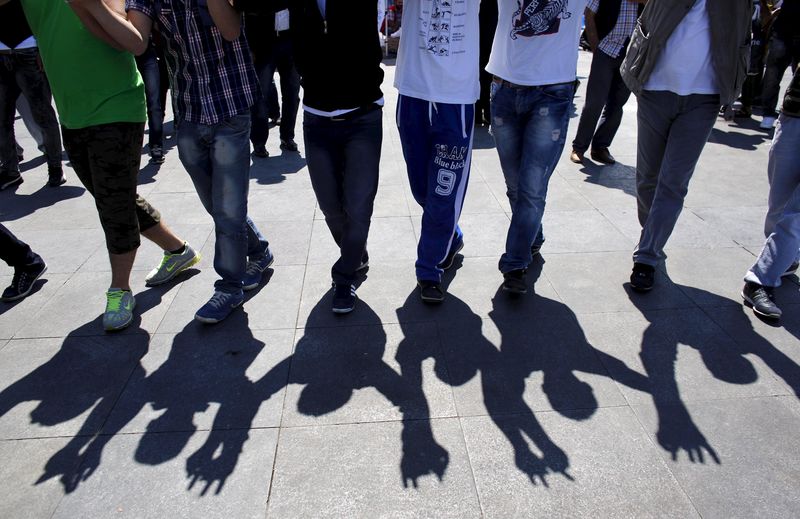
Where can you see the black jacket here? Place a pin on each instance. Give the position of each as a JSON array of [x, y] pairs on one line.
[[791, 102], [338, 58]]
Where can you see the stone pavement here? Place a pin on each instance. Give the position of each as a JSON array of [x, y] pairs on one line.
[[581, 400]]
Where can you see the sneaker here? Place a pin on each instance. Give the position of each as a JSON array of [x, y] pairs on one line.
[[156, 155], [344, 298], [288, 145], [9, 178], [171, 265], [55, 177], [219, 306], [20, 152], [364, 262], [791, 270], [430, 291], [515, 282], [260, 152], [576, 156], [451, 255], [767, 123], [254, 272], [761, 299], [23, 281], [642, 277], [536, 248], [119, 309]]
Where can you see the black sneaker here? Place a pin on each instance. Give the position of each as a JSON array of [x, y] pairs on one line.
[[288, 145], [260, 152], [23, 281], [430, 292], [451, 255], [536, 248], [344, 298], [364, 262], [55, 177], [9, 178], [515, 282], [761, 299], [791, 270], [156, 154], [643, 277]]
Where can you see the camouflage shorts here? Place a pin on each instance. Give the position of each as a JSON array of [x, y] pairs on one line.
[[106, 159]]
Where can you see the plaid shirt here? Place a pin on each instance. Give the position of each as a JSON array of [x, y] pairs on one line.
[[615, 41], [211, 79]]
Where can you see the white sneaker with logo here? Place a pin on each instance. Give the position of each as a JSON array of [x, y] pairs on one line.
[[172, 265]]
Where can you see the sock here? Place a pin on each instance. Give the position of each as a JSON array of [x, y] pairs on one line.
[[179, 251]]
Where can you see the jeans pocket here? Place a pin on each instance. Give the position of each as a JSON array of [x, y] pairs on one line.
[[559, 92]]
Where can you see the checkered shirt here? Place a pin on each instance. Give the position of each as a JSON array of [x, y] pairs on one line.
[[211, 78], [615, 41]]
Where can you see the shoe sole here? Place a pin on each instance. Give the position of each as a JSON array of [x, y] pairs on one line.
[[515, 291], [17, 180], [749, 302], [30, 289], [247, 288], [194, 261], [211, 320], [579, 161], [640, 289], [343, 310], [453, 258], [789, 273]]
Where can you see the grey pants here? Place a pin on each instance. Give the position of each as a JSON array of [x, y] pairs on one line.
[[673, 130]]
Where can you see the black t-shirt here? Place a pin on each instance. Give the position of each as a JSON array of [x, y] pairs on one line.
[[787, 24], [14, 27]]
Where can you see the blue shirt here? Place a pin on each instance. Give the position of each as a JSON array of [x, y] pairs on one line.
[[212, 79]]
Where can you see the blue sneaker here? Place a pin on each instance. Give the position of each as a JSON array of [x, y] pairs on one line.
[[254, 272], [219, 307]]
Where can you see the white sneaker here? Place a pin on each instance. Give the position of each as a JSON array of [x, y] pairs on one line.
[[171, 265], [767, 123]]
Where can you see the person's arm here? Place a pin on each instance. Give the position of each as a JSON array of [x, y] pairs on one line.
[[114, 25], [227, 19], [591, 29]]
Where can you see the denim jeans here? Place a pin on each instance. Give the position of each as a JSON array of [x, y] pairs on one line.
[[783, 220], [151, 74], [281, 59], [20, 73], [343, 158], [530, 129], [673, 130], [217, 158]]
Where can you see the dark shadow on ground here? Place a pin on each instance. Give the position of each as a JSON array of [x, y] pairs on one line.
[[273, 169], [617, 176], [147, 174], [14, 206]]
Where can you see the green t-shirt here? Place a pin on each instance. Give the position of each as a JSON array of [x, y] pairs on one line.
[[92, 82]]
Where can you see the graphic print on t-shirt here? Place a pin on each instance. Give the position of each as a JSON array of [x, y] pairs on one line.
[[538, 17], [439, 27]]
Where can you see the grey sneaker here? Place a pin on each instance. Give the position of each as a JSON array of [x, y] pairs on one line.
[[172, 265], [761, 299], [791, 270], [119, 309]]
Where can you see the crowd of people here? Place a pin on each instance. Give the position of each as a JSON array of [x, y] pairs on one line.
[[682, 59]]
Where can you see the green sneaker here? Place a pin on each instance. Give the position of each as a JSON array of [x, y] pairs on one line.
[[119, 309], [172, 265]]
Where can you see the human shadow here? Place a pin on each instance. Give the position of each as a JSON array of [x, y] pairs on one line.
[[148, 173], [273, 169], [727, 360], [16, 206], [82, 381], [552, 343], [617, 176], [737, 139]]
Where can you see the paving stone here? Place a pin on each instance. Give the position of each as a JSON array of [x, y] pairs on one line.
[[393, 469], [685, 355], [546, 465], [77, 308], [366, 373], [582, 231], [25, 495], [289, 240], [206, 475], [17, 314], [63, 386], [756, 444], [390, 239], [390, 201], [64, 251], [171, 390], [744, 225]]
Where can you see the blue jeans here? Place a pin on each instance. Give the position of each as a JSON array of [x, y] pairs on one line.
[[783, 242], [147, 64], [530, 128], [217, 158]]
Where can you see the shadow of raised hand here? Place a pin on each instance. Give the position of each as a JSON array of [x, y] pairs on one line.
[[681, 434], [421, 458]]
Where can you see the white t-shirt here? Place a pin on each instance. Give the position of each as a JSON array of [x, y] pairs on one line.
[[684, 66], [536, 42], [439, 51]]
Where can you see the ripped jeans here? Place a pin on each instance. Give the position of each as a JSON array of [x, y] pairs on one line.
[[529, 125]]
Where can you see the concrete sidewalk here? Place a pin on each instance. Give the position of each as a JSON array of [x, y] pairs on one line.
[[581, 400]]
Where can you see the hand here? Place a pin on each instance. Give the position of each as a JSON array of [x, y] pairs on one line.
[[430, 458]]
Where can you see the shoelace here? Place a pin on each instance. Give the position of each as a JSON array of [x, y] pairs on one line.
[[19, 280], [115, 300], [252, 268], [218, 299]]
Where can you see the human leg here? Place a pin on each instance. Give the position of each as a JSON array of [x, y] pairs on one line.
[[601, 77]]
